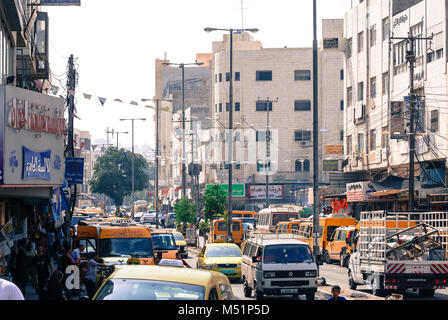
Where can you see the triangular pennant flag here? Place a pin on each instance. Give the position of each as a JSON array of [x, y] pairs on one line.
[[87, 96], [102, 100], [134, 103], [118, 100], [94, 146]]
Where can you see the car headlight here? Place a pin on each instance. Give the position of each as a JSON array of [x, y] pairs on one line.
[[310, 273], [209, 266], [269, 274]]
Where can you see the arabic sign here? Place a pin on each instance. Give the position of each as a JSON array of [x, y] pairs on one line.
[[276, 192], [238, 190], [36, 165], [330, 165], [401, 19], [74, 170], [60, 2], [336, 149], [58, 203], [359, 191]]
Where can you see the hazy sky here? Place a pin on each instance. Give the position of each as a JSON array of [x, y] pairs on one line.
[[117, 42]]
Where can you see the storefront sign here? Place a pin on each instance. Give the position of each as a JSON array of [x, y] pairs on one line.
[[336, 149], [238, 190], [330, 165], [36, 165], [359, 191], [276, 192], [58, 203], [74, 170], [401, 19]]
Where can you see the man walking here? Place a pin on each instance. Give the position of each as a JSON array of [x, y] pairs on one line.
[[9, 291], [90, 278]]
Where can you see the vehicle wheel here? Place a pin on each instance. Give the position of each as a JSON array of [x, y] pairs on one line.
[[351, 282], [186, 255], [327, 258], [247, 290], [426, 292], [310, 296], [258, 294], [377, 286], [295, 296]]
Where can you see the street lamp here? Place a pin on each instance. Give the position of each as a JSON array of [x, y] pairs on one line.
[[133, 195], [182, 66], [230, 138], [117, 133]]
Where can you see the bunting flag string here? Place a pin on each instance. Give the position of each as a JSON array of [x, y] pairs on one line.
[[102, 100]]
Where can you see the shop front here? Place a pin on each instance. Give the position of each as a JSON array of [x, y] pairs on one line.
[[32, 131]]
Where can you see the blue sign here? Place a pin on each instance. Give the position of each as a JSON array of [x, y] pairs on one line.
[[60, 2], [36, 165], [74, 170], [58, 202]]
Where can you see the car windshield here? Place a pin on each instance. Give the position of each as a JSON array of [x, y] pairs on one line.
[[280, 217], [289, 253], [178, 236], [223, 251], [163, 241], [133, 247], [131, 289]]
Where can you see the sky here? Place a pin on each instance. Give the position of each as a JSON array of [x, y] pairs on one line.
[[115, 44]]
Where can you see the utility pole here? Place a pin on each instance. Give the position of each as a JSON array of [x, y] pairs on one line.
[[118, 133], [107, 135], [72, 80], [411, 59]]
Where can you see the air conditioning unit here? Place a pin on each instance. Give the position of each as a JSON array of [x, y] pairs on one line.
[[306, 143]]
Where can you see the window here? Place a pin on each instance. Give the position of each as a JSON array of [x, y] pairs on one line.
[[439, 54], [306, 165], [386, 28], [300, 135], [227, 107], [227, 76], [373, 35], [262, 135], [302, 75], [298, 166], [385, 83], [384, 138], [220, 107], [341, 75], [302, 105], [237, 106], [434, 120], [373, 87], [263, 106], [237, 76], [341, 135], [430, 57], [349, 145], [213, 294], [361, 91], [253, 250], [360, 41], [220, 77], [247, 249], [349, 96], [349, 47], [361, 142], [372, 140], [342, 105], [264, 76], [400, 64]]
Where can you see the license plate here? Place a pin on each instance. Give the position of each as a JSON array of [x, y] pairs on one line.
[[289, 290], [416, 280], [228, 271]]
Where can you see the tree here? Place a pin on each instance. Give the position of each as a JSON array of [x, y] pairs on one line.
[[112, 174], [185, 211], [214, 202]]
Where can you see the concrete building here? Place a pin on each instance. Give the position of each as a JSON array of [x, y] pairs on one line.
[[262, 74], [376, 120], [83, 149]]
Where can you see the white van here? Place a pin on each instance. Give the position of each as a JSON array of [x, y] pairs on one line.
[[278, 265]]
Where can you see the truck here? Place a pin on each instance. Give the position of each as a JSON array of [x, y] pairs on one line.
[[411, 255]]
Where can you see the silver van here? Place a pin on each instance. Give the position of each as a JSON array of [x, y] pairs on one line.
[[278, 265]]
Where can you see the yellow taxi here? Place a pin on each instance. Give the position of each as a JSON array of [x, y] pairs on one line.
[[146, 282], [222, 257]]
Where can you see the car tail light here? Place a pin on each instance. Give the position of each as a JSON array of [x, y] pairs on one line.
[[437, 281]]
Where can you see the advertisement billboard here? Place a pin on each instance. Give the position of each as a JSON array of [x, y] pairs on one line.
[[276, 192]]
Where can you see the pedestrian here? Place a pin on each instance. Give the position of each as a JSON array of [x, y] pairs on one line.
[[31, 270], [55, 287], [179, 257], [90, 277], [162, 220], [19, 267], [9, 291], [51, 239], [44, 270], [336, 291], [68, 260], [76, 254]]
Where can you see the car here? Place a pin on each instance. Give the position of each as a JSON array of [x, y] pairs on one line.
[[170, 220], [143, 282], [138, 216], [181, 244], [222, 257], [149, 217]]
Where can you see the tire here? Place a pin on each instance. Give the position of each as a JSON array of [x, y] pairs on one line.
[[258, 294], [327, 258], [310, 296], [247, 290], [351, 282], [426, 292]]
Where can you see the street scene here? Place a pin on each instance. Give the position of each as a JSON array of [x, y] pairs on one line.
[[248, 150]]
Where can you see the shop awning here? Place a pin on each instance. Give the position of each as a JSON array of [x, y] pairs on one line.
[[386, 193]]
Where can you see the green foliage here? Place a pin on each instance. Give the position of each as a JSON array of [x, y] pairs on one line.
[[185, 211], [113, 174], [204, 227], [214, 202]]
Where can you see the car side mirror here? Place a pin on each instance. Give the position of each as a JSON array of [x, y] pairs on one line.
[[256, 259]]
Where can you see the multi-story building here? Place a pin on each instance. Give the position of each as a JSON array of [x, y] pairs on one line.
[[83, 149], [273, 93], [377, 83]]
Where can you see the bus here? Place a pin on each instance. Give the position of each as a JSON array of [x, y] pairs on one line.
[[244, 214], [269, 218]]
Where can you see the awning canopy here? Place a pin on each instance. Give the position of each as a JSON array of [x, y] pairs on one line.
[[386, 193]]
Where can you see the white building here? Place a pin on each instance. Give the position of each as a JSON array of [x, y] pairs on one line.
[[377, 73], [262, 74]]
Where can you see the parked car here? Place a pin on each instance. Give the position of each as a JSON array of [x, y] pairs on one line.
[[138, 216], [149, 217]]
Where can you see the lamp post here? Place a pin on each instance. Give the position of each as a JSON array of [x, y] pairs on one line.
[[117, 133], [230, 135], [182, 66], [133, 195]]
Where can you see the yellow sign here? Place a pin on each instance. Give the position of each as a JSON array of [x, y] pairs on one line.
[[336, 149]]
